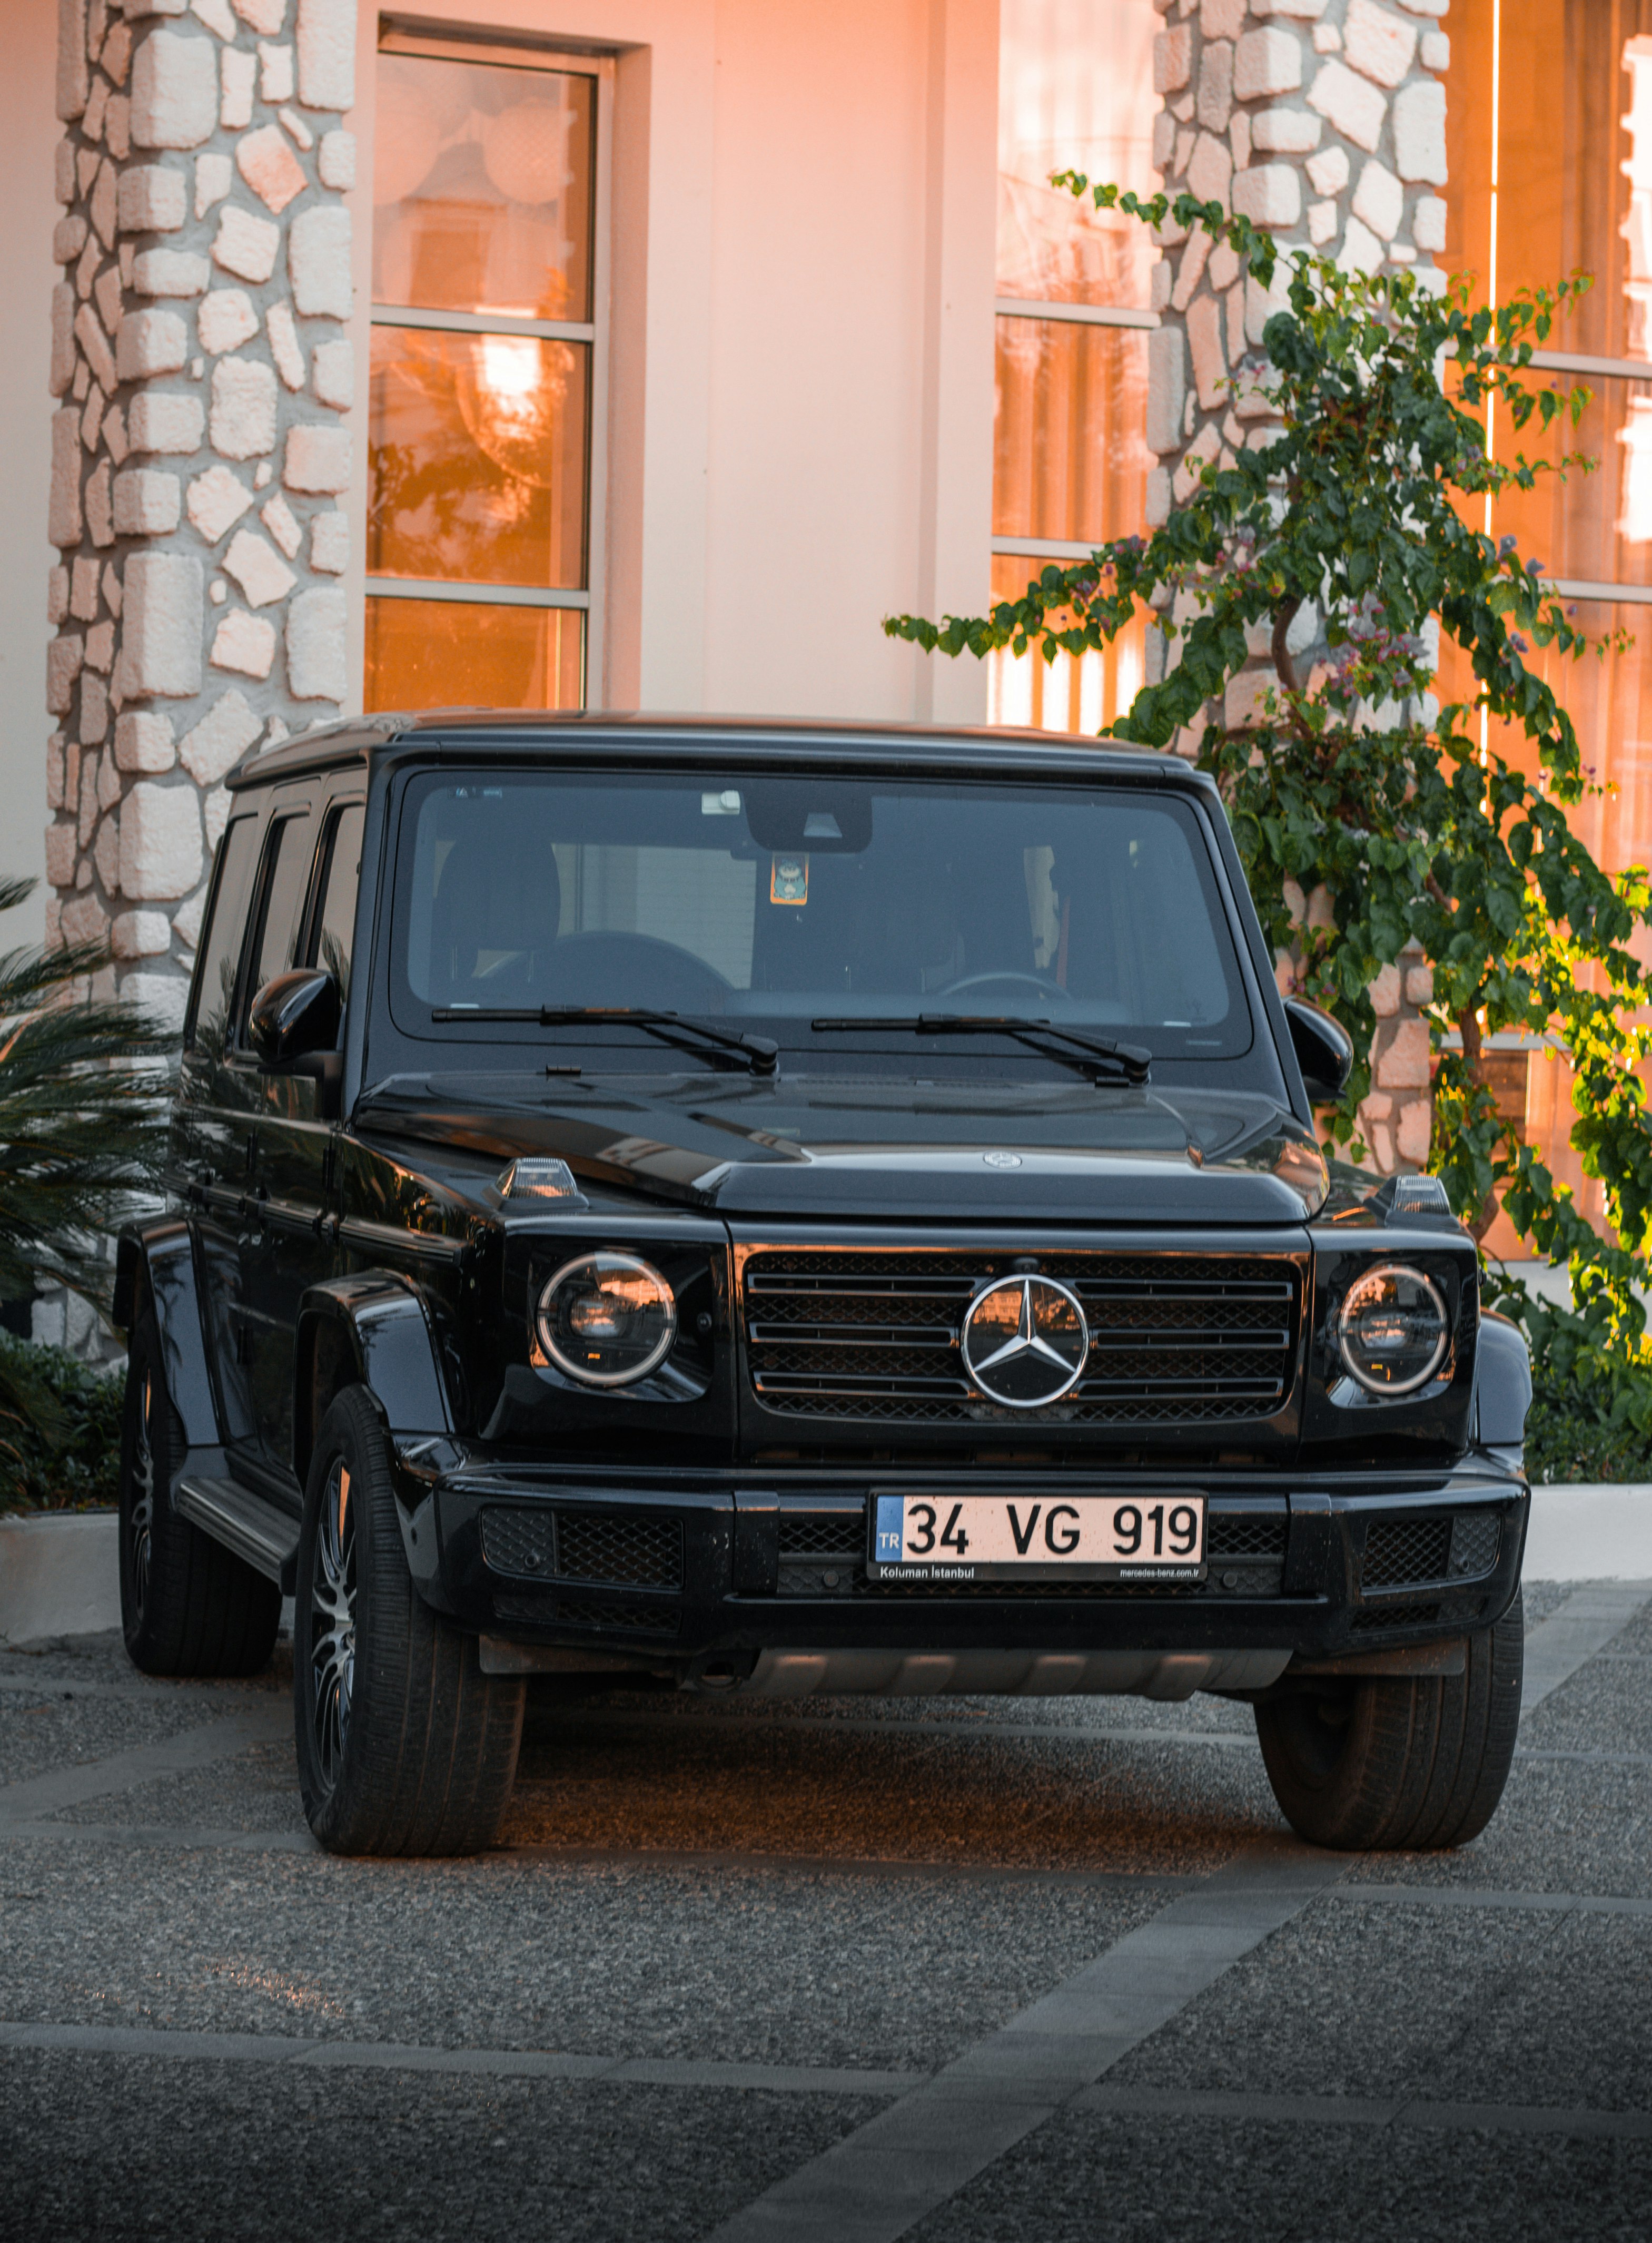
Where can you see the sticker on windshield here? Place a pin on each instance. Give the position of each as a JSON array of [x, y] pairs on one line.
[[788, 880]]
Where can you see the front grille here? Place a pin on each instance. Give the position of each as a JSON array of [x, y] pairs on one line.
[[1381, 1616], [1174, 1339], [817, 1537], [1409, 1549], [1245, 1534], [1474, 1542], [548, 1541]]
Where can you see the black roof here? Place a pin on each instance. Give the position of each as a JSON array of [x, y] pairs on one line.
[[571, 735]]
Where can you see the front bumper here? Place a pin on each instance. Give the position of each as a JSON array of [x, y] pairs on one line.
[[711, 1575]]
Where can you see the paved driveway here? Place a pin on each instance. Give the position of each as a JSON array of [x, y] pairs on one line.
[[968, 1970]]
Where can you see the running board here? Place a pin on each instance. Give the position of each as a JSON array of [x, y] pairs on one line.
[[255, 1529]]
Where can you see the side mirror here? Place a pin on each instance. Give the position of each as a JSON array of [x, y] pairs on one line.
[[1324, 1051], [295, 1018]]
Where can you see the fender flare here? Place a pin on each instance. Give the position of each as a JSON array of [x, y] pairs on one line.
[[371, 1329], [162, 1253], [1502, 1383]]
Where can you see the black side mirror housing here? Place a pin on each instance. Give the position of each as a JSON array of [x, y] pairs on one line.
[[293, 1025], [1324, 1051]]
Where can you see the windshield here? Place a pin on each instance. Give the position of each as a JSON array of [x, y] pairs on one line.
[[775, 901]]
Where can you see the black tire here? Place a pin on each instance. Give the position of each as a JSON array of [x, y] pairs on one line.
[[187, 1605], [405, 1745], [1415, 1763]]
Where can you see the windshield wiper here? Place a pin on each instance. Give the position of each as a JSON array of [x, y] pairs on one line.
[[758, 1053], [1089, 1056]]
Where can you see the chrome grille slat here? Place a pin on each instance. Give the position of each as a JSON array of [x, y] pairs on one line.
[[873, 1333]]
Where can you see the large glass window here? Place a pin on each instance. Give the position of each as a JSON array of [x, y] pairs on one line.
[[1075, 91], [486, 370]]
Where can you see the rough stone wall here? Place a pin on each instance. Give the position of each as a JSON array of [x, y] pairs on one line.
[[1325, 121], [202, 444]]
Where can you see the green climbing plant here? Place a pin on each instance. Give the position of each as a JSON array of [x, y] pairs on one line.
[[1339, 535]]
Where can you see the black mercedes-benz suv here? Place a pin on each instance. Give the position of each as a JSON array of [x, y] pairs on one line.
[[779, 1208]]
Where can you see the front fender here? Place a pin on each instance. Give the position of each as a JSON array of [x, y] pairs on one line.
[[161, 1256], [369, 1328], [1502, 1383]]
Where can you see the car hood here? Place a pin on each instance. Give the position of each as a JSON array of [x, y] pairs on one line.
[[790, 1148]]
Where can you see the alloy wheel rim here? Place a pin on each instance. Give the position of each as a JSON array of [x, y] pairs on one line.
[[141, 1523], [333, 1624]]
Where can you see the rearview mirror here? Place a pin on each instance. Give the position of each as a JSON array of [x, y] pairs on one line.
[[1324, 1051], [294, 1018]]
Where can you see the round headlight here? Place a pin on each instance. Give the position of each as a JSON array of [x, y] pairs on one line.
[[1392, 1330], [607, 1319]]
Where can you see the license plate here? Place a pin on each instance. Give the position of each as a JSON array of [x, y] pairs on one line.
[[999, 1537]]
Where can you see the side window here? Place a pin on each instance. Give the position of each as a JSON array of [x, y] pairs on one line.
[[221, 949], [280, 898], [335, 920]]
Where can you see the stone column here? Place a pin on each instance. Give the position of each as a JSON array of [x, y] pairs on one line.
[[200, 352], [1325, 121]]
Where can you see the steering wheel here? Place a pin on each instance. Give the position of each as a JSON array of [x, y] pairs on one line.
[[604, 967], [1041, 982]]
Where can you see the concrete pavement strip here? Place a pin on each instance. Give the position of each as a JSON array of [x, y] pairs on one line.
[[214, 1741], [1352, 2111], [1574, 1632]]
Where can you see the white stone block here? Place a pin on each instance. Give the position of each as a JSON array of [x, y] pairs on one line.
[[105, 204], [318, 456], [327, 33], [279, 520], [170, 272], [160, 841], [266, 161], [215, 13], [296, 126], [214, 175], [275, 72], [1415, 1129], [148, 502], [89, 333], [65, 656], [1420, 985], [1385, 993], [1329, 172], [1404, 1064], [63, 511], [100, 514], [1377, 42], [118, 127], [1266, 62], [106, 855], [264, 17], [141, 934], [1327, 40], [216, 811], [1429, 222], [217, 501], [1322, 223], [1164, 140], [57, 594], [63, 162], [1205, 346], [1420, 132], [106, 296], [1167, 390], [318, 261], [161, 635], [1200, 454], [243, 417], [257, 568], [143, 741], [186, 921], [150, 342], [336, 160], [74, 80], [167, 420], [244, 642], [333, 372], [69, 238], [1434, 51], [1379, 200], [238, 72], [1354, 105], [85, 921], [1172, 60], [226, 730], [62, 339], [1305, 12], [1285, 131], [318, 645], [61, 856], [174, 99], [100, 648], [1260, 304], [151, 200], [1210, 169], [245, 243], [1239, 134], [1221, 19], [330, 542], [92, 419], [1269, 194], [1361, 251], [1243, 704], [1191, 271], [1216, 85], [284, 345], [225, 320], [112, 590]]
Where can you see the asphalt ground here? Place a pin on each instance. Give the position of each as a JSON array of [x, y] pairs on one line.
[[848, 1970]]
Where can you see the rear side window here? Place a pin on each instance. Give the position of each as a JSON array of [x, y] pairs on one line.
[[281, 893], [221, 940], [335, 924]]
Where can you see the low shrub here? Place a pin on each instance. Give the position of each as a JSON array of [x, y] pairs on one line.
[[76, 1466]]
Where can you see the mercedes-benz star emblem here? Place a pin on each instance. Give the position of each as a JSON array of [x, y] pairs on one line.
[[1002, 1159], [1024, 1342]]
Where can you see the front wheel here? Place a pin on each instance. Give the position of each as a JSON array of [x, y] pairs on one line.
[[405, 1745], [1380, 1764]]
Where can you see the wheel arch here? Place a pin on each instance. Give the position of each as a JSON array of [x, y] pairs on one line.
[[160, 1257], [372, 1329]]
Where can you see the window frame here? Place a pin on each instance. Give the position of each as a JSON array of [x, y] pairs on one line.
[[519, 51]]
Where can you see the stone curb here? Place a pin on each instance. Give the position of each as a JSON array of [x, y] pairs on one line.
[[57, 1573]]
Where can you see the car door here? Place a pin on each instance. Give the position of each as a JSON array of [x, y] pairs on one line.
[[296, 1129]]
